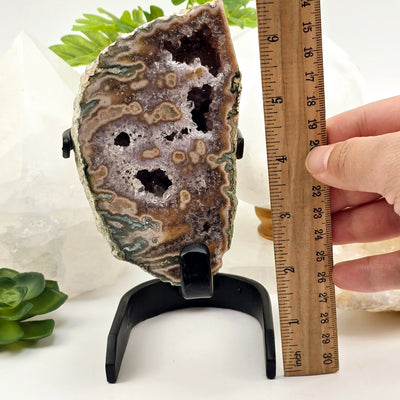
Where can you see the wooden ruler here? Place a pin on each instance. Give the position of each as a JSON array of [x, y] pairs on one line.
[[294, 108]]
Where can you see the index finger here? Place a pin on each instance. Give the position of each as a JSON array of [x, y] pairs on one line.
[[370, 120]]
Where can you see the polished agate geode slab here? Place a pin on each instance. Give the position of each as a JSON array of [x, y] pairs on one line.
[[154, 132]]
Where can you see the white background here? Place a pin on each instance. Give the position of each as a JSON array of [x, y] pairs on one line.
[[368, 30], [207, 354]]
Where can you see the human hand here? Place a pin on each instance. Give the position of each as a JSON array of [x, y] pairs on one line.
[[362, 164]]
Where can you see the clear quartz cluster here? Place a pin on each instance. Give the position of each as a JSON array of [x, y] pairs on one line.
[[45, 223]]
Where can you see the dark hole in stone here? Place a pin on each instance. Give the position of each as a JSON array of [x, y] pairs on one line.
[[206, 227], [200, 45], [201, 98], [156, 182], [122, 139], [172, 135]]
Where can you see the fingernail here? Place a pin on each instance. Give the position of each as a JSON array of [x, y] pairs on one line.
[[317, 159]]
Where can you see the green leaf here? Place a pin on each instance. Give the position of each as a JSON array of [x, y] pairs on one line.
[[79, 51], [6, 283], [177, 2], [98, 38], [10, 331], [10, 294], [100, 31], [245, 17], [138, 17], [63, 51], [67, 54], [33, 281], [117, 23], [90, 19], [112, 16], [113, 36], [15, 314], [78, 42], [154, 13], [127, 18], [8, 273], [83, 60], [235, 4], [52, 284], [48, 301], [35, 330]]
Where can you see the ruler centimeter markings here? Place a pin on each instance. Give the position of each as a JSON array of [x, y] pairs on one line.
[[290, 42]]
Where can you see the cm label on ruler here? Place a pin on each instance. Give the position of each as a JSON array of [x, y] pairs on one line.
[[294, 113]]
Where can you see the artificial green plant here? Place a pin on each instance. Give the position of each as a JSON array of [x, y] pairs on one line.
[[99, 31], [22, 296]]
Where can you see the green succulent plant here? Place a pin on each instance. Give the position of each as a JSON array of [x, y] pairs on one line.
[[22, 296]]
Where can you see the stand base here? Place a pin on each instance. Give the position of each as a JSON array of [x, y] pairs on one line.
[[265, 228], [153, 298]]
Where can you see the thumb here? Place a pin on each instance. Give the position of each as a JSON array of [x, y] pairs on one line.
[[367, 164]]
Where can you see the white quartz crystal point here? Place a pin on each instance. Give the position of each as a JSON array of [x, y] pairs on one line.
[[373, 302], [45, 222], [343, 89]]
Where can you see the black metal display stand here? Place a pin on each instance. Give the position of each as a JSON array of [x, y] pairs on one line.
[[198, 289]]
